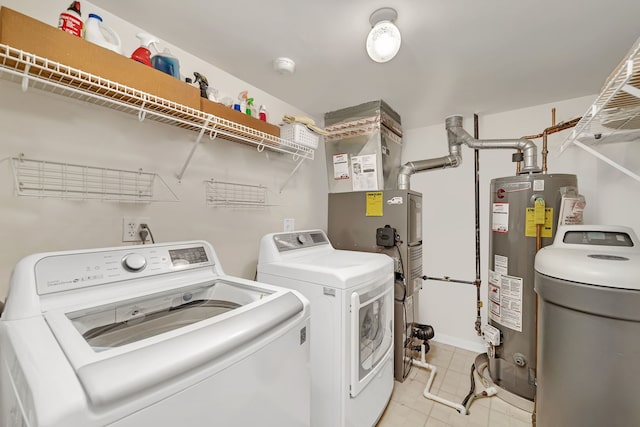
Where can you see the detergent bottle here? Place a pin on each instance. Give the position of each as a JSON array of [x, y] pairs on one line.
[[71, 20], [167, 63], [143, 53], [95, 31]]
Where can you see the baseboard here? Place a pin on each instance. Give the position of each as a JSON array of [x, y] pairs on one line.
[[475, 346]]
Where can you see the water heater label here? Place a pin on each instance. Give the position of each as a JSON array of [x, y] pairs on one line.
[[500, 218], [505, 300], [547, 228], [500, 264], [571, 210]]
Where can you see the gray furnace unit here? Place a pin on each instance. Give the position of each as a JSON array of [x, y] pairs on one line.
[[354, 222]]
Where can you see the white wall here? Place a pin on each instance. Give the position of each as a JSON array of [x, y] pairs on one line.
[[448, 204], [49, 127]]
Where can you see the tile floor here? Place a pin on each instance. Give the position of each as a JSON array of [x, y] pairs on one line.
[[409, 408]]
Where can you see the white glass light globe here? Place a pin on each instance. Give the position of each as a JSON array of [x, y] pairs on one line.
[[383, 41]]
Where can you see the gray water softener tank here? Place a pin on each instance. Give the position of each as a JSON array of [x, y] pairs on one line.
[[588, 283]]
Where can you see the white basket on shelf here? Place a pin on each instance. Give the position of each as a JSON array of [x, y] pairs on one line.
[[300, 134]]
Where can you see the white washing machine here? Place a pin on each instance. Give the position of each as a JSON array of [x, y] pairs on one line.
[[153, 335], [351, 296]]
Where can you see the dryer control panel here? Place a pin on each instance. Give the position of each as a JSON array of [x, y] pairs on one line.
[[67, 271], [299, 240]]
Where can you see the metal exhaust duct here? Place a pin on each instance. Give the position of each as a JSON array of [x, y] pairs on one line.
[[458, 136]]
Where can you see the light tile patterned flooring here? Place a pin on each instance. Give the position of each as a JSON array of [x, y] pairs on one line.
[[409, 408]]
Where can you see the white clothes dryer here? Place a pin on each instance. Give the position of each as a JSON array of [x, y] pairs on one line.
[[351, 295], [153, 335]]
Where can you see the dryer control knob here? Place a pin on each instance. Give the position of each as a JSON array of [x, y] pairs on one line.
[[134, 262], [302, 239]]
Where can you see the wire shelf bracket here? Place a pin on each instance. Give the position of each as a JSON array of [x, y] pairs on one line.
[[615, 114]]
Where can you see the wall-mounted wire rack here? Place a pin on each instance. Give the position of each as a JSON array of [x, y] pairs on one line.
[[615, 114], [31, 70], [40, 178], [229, 194]]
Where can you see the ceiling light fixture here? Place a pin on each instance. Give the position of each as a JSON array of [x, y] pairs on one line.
[[383, 41]]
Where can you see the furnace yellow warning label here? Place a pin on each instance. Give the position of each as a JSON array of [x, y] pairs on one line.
[[547, 228], [374, 203]]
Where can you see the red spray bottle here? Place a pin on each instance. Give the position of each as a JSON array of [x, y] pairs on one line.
[[143, 53]]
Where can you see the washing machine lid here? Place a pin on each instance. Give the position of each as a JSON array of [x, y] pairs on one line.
[[335, 268], [593, 254], [125, 348]]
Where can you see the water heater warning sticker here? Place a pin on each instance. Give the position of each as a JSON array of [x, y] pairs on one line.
[[500, 218], [505, 300], [547, 227]]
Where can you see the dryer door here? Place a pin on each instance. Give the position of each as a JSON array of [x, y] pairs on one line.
[[371, 334]]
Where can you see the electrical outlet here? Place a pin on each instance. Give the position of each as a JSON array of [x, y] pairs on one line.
[[131, 228], [289, 224]]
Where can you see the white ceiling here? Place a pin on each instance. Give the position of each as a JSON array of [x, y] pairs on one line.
[[457, 56]]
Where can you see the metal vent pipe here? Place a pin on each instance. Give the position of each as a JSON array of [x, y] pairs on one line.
[[458, 136]]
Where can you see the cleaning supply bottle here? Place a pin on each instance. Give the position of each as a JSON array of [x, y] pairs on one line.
[[167, 63], [71, 20], [250, 108], [143, 53], [241, 105], [262, 113], [95, 31]]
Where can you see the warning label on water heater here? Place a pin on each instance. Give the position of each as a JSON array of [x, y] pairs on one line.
[[500, 218], [505, 300]]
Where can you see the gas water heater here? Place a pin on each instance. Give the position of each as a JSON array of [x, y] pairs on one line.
[[514, 240]]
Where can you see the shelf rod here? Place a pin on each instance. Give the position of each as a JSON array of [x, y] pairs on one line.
[[194, 146], [607, 160], [284, 184]]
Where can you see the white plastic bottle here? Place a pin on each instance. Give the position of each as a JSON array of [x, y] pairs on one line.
[[95, 30]]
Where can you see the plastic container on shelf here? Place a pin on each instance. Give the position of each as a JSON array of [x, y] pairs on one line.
[[167, 63], [95, 31], [71, 20], [300, 134]]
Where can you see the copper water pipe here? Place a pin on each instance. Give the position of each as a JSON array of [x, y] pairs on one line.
[[548, 131]]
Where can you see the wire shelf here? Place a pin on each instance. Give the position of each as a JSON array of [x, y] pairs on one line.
[[615, 115], [228, 194], [31, 70], [39, 178]]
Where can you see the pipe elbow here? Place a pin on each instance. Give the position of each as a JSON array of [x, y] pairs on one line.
[[404, 176]]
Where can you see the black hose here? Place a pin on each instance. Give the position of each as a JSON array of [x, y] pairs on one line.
[[472, 390]]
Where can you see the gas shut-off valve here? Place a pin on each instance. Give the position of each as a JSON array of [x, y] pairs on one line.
[[491, 336]]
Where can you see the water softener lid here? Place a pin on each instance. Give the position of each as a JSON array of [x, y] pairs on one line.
[[593, 254]]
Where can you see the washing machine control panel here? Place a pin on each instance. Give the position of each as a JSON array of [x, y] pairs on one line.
[[69, 271], [299, 240]]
